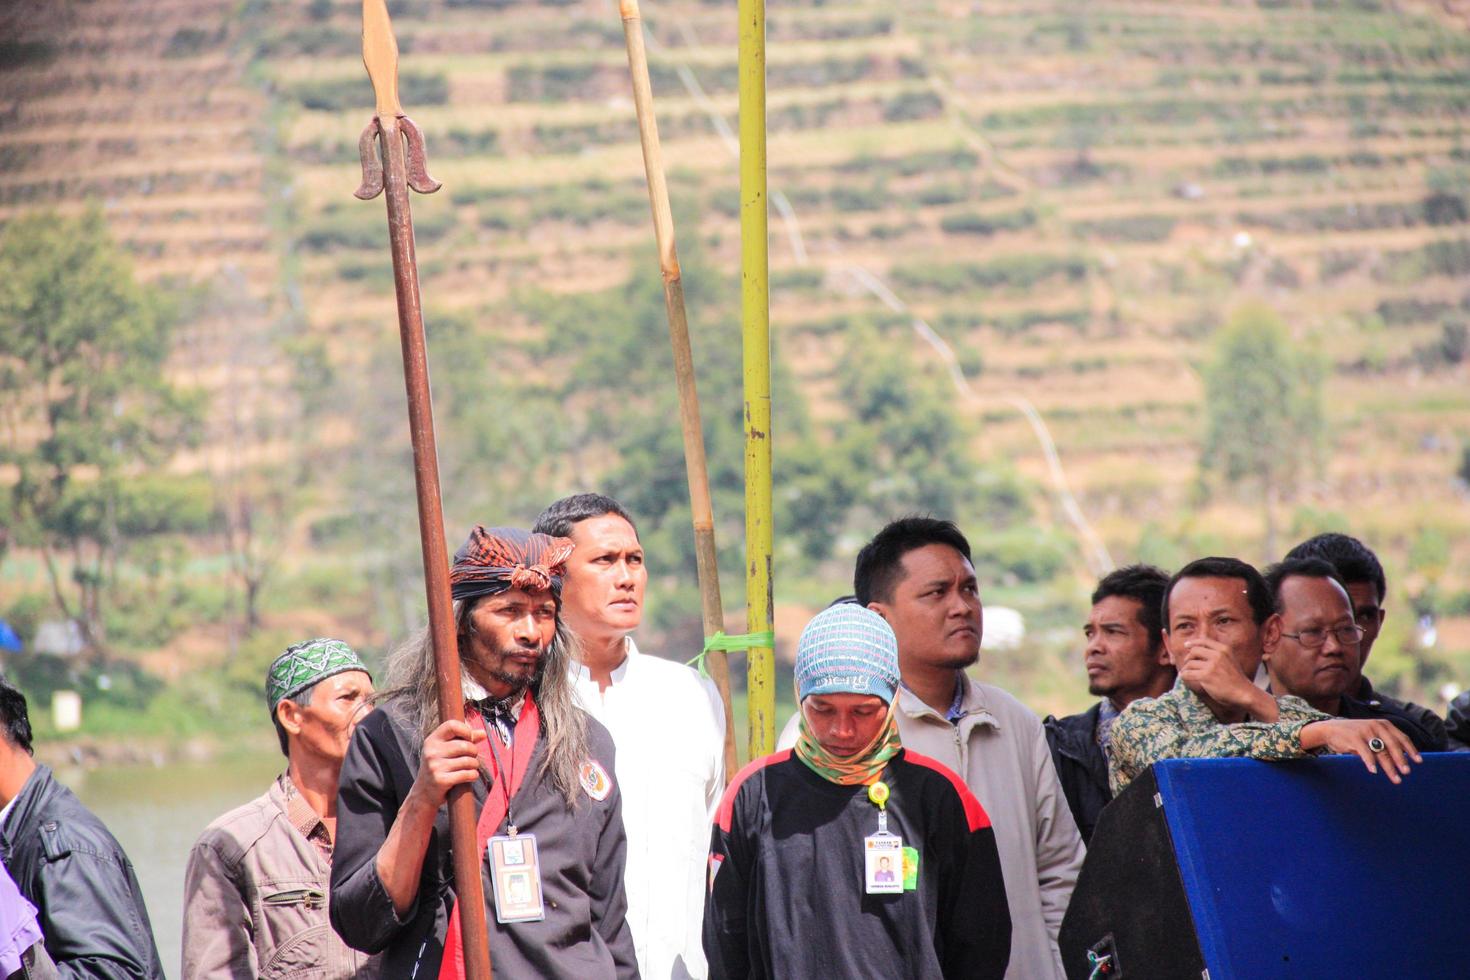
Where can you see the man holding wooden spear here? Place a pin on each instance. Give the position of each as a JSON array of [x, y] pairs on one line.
[[550, 831]]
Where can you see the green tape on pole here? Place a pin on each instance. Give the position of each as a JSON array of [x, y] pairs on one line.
[[727, 643]]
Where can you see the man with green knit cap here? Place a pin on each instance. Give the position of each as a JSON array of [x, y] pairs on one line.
[[255, 892], [849, 856]]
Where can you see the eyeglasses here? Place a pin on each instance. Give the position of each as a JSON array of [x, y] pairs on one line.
[[1312, 639]]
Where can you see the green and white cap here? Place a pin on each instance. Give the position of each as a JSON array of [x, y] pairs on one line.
[[305, 664]]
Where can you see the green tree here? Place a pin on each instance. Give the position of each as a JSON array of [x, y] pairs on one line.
[[616, 426], [265, 461], [902, 430], [903, 447], [84, 402], [497, 437], [618, 417], [1265, 424]]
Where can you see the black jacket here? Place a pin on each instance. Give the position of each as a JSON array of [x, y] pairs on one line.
[[83, 887], [1081, 766], [787, 896], [585, 934], [1457, 723], [1409, 722], [1427, 721]]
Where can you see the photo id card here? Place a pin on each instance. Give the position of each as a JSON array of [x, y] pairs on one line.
[[883, 864], [515, 873]]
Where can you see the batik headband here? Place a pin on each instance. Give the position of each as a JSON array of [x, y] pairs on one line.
[[498, 559]]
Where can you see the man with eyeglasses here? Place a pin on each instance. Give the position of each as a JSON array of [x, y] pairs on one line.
[[1361, 573], [1218, 621], [1317, 654]]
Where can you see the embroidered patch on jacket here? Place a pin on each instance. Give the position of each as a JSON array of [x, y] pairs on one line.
[[595, 780], [715, 861]]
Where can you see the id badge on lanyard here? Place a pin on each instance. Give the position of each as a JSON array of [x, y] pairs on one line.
[[515, 873], [515, 864], [883, 851]]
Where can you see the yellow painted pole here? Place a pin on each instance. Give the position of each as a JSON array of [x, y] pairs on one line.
[[755, 315]]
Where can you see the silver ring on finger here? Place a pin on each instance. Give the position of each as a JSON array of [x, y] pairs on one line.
[[1376, 744]]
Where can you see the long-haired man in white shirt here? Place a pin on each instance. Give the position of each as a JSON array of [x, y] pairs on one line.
[[666, 722]]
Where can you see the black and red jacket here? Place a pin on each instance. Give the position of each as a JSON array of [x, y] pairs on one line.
[[787, 895]]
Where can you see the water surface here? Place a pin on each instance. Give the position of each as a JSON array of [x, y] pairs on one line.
[[156, 812]]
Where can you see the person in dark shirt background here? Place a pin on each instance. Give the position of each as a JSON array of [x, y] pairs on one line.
[[1126, 660], [68, 866]]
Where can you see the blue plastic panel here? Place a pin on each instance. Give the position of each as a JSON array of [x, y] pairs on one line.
[[1319, 869]]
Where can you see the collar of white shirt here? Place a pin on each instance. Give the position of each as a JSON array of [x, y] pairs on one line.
[[630, 653]]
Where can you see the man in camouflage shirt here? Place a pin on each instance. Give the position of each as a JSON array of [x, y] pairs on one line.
[[1218, 617]]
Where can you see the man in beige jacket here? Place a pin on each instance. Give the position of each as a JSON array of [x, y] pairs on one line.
[[255, 892], [916, 574]]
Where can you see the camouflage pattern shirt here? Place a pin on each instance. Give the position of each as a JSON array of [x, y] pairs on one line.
[[1179, 725]]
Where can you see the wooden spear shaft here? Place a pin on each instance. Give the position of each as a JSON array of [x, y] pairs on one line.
[[694, 459], [755, 315], [401, 166]]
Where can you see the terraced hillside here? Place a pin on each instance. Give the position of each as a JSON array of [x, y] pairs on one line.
[[144, 109], [1064, 189], [1071, 196]]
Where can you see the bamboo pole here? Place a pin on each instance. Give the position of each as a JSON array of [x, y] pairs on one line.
[[400, 166], [696, 469], [755, 315]]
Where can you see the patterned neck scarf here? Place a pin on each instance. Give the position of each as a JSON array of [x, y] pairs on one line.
[[501, 714], [855, 770], [1106, 715]]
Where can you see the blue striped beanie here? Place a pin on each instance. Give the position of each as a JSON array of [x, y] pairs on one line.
[[847, 649]]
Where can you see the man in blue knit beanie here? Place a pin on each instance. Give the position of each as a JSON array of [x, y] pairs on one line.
[[847, 855]]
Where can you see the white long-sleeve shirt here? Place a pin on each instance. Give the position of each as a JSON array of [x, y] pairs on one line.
[[669, 729]]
